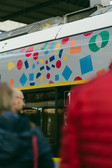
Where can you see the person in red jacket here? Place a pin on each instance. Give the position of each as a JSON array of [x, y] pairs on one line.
[[87, 137]]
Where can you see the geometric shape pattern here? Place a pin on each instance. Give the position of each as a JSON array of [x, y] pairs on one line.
[[26, 64], [41, 61], [104, 41], [77, 78], [65, 57], [46, 62], [51, 58], [41, 78], [88, 34], [93, 44], [41, 68], [53, 65], [47, 67], [86, 64], [19, 64], [11, 65], [60, 53], [66, 73], [73, 49], [57, 47], [48, 75], [64, 41], [23, 79], [31, 76], [33, 66], [58, 64], [47, 24], [42, 48], [56, 77], [11, 83], [29, 51], [35, 55], [32, 84], [22, 49], [50, 82], [38, 75], [101, 72], [46, 52], [51, 46]]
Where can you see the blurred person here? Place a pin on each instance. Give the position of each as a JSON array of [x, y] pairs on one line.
[[22, 144], [6, 97], [87, 138], [18, 101]]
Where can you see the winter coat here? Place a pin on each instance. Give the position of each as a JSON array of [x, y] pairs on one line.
[[16, 150], [87, 138]]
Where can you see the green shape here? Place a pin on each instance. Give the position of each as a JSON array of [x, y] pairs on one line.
[[42, 48], [105, 38], [92, 44]]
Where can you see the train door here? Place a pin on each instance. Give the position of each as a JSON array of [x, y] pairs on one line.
[[46, 108], [41, 109]]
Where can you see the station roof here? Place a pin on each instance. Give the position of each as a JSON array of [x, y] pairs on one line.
[[30, 11]]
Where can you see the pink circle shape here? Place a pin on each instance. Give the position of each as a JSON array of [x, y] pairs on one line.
[[35, 55], [77, 78], [46, 61], [22, 49], [48, 75], [64, 41], [88, 34], [19, 64], [51, 82], [58, 64], [29, 51]]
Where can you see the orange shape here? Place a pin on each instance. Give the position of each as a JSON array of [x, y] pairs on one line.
[[74, 50], [102, 71], [11, 82]]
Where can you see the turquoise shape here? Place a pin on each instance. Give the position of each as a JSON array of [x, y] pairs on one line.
[[23, 79], [31, 76], [52, 45], [33, 66], [86, 64], [66, 73], [46, 52], [56, 77]]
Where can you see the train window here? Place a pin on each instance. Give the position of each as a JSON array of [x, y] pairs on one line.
[[40, 109], [32, 113], [49, 123]]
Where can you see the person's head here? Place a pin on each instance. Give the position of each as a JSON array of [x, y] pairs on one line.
[[18, 101], [6, 97]]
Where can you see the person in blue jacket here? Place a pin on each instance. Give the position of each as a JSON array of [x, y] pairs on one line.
[[16, 148]]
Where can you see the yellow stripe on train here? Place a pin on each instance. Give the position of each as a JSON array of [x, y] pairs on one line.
[[57, 159], [54, 84]]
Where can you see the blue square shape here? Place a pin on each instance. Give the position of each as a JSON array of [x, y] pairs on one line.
[[86, 64], [56, 77], [67, 73], [31, 77], [23, 79], [33, 66]]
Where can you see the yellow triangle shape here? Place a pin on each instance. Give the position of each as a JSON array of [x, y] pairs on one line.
[[10, 65]]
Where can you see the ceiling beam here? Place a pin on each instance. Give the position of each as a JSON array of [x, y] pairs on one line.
[[82, 3], [30, 9]]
